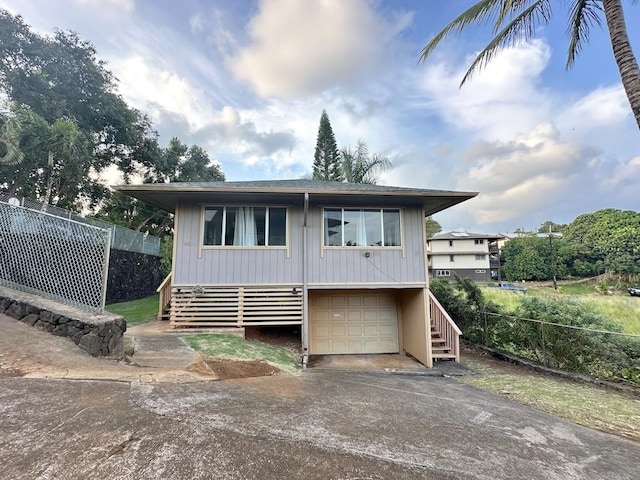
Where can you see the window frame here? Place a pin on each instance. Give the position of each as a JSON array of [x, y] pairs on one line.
[[481, 257], [362, 247], [479, 241], [244, 247], [443, 273]]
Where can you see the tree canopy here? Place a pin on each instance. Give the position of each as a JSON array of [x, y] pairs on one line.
[[64, 123], [607, 240]]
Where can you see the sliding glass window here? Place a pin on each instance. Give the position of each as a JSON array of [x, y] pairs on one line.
[[361, 227], [245, 226]]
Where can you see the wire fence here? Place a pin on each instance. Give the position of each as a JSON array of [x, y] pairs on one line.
[[121, 238], [58, 258], [576, 348]]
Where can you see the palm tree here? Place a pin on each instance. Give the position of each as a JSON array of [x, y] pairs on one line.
[[10, 152], [359, 167], [26, 134], [517, 20]]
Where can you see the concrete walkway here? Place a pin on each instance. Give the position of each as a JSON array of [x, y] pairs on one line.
[[30, 352]]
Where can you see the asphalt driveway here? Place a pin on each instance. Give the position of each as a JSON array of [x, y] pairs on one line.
[[316, 425]]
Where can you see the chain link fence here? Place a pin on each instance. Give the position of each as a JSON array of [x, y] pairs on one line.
[[121, 238], [58, 258]]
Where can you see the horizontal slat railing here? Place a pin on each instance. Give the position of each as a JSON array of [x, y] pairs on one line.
[[446, 327], [236, 306]]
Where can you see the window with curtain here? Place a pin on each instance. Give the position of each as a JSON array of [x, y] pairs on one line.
[[245, 226], [361, 227]]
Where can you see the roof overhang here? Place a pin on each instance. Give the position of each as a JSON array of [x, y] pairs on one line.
[[167, 196]]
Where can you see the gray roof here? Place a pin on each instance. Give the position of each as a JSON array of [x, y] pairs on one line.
[[167, 195], [465, 236]]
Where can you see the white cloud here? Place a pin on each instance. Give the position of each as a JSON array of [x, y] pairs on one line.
[[126, 5], [602, 107], [626, 173], [159, 92], [305, 47], [498, 102], [530, 173]]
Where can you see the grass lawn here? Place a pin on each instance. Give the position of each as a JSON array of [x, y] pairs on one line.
[[137, 312], [623, 309], [584, 404], [233, 347]]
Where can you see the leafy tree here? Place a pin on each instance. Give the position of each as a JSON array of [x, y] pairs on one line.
[[526, 258], [326, 159], [358, 166], [513, 21], [613, 237], [60, 78], [550, 226], [431, 227]]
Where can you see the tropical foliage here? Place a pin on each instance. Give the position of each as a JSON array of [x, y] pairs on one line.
[[604, 241]]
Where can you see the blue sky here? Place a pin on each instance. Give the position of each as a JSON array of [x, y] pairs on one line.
[[247, 80]]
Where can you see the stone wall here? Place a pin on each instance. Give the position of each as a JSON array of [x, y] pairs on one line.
[[99, 335], [132, 275]]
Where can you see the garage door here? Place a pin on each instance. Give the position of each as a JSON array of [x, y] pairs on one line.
[[353, 322]]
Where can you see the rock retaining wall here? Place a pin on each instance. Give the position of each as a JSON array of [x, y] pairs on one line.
[[100, 335]]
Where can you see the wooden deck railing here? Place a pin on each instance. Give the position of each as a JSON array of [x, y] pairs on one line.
[[236, 306], [165, 296], [445, 328]]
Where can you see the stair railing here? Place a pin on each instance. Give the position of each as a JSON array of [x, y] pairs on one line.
[[443, 323]]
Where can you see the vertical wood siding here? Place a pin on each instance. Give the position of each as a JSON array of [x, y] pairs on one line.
[[345, 265], [338, 266], [235, 266]]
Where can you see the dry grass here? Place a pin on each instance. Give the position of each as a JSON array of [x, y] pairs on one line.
[[591, 406]]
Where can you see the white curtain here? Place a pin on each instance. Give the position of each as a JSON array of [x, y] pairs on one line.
[[361, 231], [245, 230]]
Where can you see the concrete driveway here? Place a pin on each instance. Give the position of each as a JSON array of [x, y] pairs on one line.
[[316, 425]]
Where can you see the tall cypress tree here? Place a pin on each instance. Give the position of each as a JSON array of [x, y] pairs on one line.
[[326, 160]]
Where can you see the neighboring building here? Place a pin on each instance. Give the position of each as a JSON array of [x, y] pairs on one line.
[[468, 255], [347, 262]]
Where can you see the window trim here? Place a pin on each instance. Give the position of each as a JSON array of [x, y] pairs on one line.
[[443, 273], [224, 206], [363, 247], [481, 257]]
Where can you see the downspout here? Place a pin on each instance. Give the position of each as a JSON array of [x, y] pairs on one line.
[[305, 289]]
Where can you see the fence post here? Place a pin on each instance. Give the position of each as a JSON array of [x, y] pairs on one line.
[[544, 350], [486, 334], [105, 269]]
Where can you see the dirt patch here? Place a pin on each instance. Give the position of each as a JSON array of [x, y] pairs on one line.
[[228, 369], [10, 372], [287, 337]]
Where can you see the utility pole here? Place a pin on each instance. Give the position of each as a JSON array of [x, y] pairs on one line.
[[553, 260]]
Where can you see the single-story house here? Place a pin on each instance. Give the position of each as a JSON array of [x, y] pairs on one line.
[[346, 262]]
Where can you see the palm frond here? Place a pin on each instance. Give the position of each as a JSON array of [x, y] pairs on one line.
[[522, 27], [584, 14], [477, 13]]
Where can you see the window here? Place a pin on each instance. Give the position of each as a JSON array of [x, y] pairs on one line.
[[481, 256], [361, 227], [479, 241], [245, 226], [481, 271], [443, 273], [451, 243], [452, 258]]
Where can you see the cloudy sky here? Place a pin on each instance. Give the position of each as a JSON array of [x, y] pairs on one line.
[[248, 79]]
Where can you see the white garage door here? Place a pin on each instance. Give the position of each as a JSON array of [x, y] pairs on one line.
[[353, 322]]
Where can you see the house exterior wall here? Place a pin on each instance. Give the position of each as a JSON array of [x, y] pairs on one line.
[[234, 266], [326, 267], [383, 266]]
